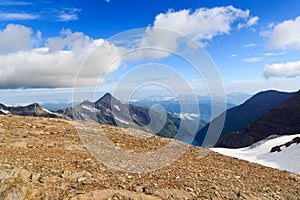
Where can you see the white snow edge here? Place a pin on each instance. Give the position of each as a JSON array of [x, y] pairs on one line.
[[287, 159]]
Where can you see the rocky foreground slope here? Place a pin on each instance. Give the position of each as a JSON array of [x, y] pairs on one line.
[[42, 158]]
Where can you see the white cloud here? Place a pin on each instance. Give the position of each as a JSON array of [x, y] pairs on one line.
[[15, 38], [254, 59], [286, 35], [69, 41], [55, 64], [269, 56], [15, 3], [67, 17], [251, 22], [69, 14], [289, 69], [201, 25], [17, 16], [250, 45], [273, 54]]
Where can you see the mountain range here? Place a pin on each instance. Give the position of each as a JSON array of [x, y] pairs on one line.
[[264, 114], [237, 118], [109, 110], [284, 119], [30, 110], [175, 106]]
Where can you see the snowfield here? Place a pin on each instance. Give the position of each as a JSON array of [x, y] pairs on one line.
[[287, 159]]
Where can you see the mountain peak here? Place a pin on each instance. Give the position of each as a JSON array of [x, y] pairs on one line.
[[107, 100], [34, 105]]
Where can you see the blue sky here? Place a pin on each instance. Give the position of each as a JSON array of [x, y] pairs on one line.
[[44, 45]]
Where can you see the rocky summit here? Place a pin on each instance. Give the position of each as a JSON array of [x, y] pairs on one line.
[[46, 158]]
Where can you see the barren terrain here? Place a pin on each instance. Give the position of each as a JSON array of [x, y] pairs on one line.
[[43, 158]]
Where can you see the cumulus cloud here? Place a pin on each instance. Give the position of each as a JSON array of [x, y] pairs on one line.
[[55, 64], [286, 35], [202, 25], [15, 38], [289, 69], [69, 41], [23, 64]]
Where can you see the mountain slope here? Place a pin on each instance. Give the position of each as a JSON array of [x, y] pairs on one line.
[[260, 152], [281, 120], [42, 158], [109, 110], [238, 117]]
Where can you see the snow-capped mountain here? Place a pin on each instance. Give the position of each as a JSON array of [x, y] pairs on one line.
[[282, 152]]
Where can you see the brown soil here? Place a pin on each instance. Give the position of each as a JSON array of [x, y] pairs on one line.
[[43, 158]]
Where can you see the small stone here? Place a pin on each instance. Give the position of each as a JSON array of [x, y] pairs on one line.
[[81, 179], [66, 174], [139, 188], [25, 175], [35, 177], [44, 179], [50, 145]]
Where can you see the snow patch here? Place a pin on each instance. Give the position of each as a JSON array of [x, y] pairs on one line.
[[188, 116], [90, 108], [120, 120], [117, 107], [4, 111], [44, 109], [107, 111], [287, 159]]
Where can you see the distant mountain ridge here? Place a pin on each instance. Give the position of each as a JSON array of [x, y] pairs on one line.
[[284, 119], [173, 105], [109, 110], [238, 117], [30, 110]]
